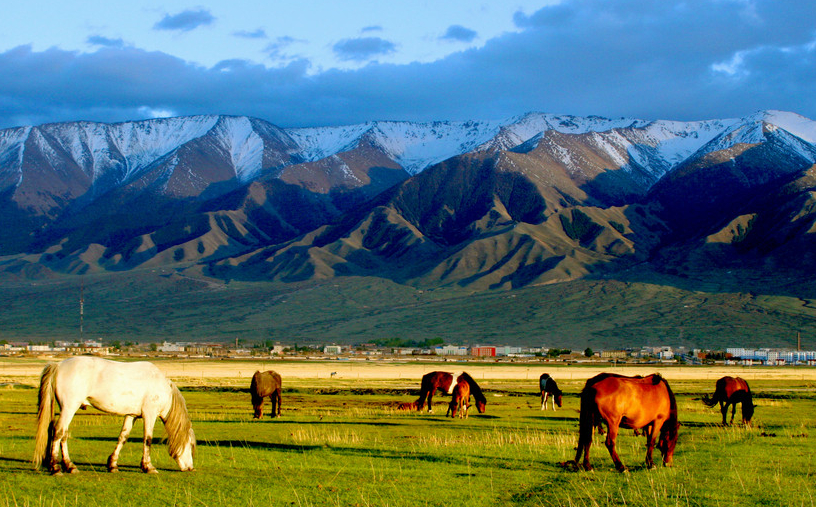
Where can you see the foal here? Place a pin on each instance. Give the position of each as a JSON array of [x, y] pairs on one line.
[[459, 401]]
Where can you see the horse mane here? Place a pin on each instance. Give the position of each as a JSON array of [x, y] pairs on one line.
[[177, 423], [475, 390]]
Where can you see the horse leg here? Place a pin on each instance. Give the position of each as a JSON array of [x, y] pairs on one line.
[[430, 402], [113, 459], [147, 466], [280, 400], [543, 400], [60, 441], [733, 411], [724, 410], [553, 402], [611, 436], [650, 444]]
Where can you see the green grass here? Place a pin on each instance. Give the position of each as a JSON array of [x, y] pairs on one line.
[[156, 305], [355, 449]]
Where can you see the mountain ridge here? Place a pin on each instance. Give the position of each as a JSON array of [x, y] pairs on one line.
[[537, 198]]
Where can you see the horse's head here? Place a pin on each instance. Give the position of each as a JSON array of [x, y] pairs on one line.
[[481, 406], [258, 409], [558, 395], [747, 411], [668, 440], [184, 455]]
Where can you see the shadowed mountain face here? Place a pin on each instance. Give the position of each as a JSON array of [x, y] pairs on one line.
[[532, 200]]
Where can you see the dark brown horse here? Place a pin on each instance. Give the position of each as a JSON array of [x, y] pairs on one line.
[[460, 399], [730, 391], [443, 380], [645, 403], [266, 384], [549, 388]]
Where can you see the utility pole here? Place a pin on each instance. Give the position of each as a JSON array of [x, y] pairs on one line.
[[81, 309]]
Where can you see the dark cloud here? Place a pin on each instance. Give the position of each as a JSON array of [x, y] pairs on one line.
[[185, 21], [98, 40], [673, 59], [459, 33], [260, 33], [363, 49]]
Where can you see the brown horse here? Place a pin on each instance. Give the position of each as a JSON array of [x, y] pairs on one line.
[[460, 400], [549, 388], [265, 384], [443, 380], [730, 391], [630, 402]]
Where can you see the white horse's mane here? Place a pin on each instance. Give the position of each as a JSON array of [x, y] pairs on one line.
[[177, 424]]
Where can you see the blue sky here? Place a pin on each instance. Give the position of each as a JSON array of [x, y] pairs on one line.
[[314, 62]]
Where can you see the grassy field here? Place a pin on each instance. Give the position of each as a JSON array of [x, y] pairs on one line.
[[156, 305], [341, 442]]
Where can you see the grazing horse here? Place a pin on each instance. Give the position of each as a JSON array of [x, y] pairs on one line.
[[730, 391], [630, 402], [549, 387], [129, 389], [445, 381], [265, 384], [460, 400]]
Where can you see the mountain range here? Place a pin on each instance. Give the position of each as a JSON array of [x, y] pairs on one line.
[[530, 200]]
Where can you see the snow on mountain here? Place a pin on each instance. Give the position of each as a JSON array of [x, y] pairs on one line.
[[414, 146], [797, 125], [11, 155], [120, 152], [796, 131], [244, 145]]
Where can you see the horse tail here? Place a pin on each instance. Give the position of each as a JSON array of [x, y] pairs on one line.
[[177, 422], [45, 415], [475, 390], [424, 389], [710, 401], [586, 419]]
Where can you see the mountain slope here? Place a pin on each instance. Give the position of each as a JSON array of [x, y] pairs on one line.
[[534, 199]]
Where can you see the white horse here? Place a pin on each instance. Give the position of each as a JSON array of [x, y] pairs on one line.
[[130, 389]]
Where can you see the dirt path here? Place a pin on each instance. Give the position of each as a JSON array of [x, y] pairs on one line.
[[228, 372]]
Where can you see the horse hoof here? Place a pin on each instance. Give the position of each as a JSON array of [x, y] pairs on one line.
[[113, 470], [73, 470]]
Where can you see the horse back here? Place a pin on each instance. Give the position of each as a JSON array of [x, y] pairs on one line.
[[265, 383], [111, 386], [636, 401], [728, 387]]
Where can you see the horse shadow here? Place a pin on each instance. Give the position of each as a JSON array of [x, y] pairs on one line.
[[269, 446], [282, 420]]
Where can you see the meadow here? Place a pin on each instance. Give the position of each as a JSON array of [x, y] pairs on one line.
[[340, 441]]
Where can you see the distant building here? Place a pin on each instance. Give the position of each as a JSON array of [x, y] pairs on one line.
[[772, 357], [332, 350], [450, 350], [508, 351], [612, 354], [483, 351]]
